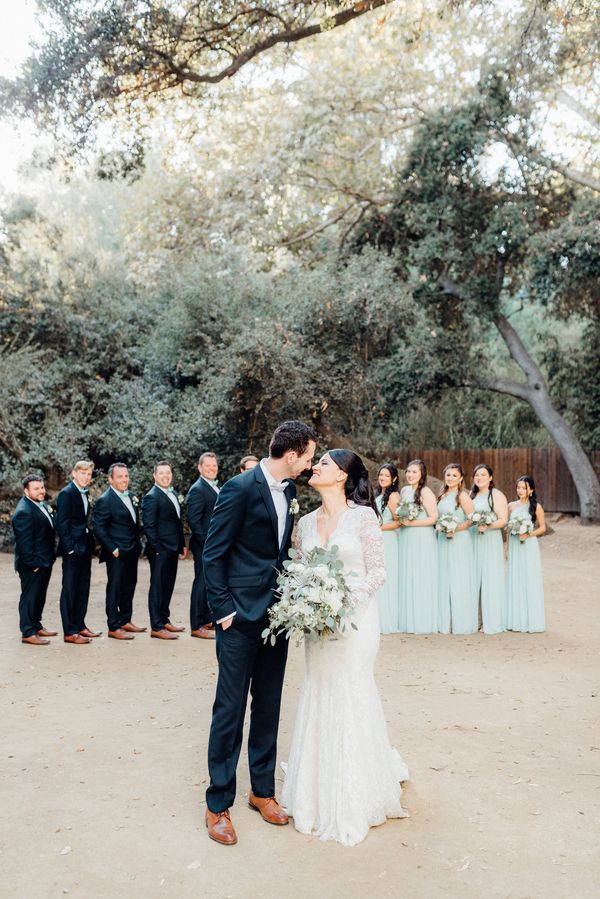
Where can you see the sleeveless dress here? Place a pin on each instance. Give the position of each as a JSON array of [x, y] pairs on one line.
[[387, 595], [418, 576], [525, 611], [456, 575], [343, 776], [490, 581]]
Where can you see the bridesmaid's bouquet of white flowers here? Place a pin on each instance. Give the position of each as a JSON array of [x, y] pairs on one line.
[[519, 527], [314, 598], [407, 511], [483, 519], [447, 524]]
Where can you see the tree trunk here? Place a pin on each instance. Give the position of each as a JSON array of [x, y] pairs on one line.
[[535, 392]]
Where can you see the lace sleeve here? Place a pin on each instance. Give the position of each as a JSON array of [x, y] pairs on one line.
[[297, 536], [371, 543]]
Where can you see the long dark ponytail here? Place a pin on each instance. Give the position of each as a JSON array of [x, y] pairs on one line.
[[533, 500], [475, 488], [358, 487], [389, 466], [422, 480]]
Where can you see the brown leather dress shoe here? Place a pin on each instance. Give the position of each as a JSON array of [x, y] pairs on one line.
[[174, 628], [220, 828], [86, 632], [164, 635], [44, 633], [133, 628], [120, 634], [204, 633], [76, 638], [35, 640], [269, 808]]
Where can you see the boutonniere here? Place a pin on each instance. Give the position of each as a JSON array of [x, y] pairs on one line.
[[135, 500], [49, 508], [180, 499], [294, 507]]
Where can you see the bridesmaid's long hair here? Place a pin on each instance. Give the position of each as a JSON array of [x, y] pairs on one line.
[[358, 486], [533, 500], [475, 488], [422, 480], [461, 484], [389, 466]]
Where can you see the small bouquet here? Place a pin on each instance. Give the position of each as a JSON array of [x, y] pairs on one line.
[[407, 511], [447, 524], [483, 519], [314, 598], [519, 527]]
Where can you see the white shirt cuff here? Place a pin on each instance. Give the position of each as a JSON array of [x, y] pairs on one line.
[[227, 618]]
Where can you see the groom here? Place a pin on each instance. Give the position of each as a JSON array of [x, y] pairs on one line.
[[248, 539]]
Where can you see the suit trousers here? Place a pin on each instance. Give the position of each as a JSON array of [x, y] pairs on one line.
[[200, 613], [245, 663], [163, 571], [120, 587], [75, 593], [34, 586]]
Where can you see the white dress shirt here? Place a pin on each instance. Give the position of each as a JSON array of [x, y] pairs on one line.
[[126, 500], [279, 499], [210, 484], [83, 498], [173, 498]]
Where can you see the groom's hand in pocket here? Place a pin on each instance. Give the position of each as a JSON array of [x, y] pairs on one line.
[[227, 623]]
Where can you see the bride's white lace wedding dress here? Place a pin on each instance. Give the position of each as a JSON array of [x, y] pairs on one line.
[[343, 777]]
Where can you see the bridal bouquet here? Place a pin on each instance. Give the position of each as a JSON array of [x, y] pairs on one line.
[[314, 598], [447, 524], [519, 527], [407, 511], [483, 519]]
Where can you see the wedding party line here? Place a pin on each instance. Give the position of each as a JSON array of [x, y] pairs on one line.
[[446, 570]]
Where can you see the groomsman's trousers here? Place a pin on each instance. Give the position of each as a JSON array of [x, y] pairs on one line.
[[120, 587], [34, 586], [75, 593], [245, 663], [199, 610], [163, 571]]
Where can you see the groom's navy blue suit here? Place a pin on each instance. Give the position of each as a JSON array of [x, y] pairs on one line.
[[242, 556]]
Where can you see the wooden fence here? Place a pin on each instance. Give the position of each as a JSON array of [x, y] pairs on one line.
[[554, 484]]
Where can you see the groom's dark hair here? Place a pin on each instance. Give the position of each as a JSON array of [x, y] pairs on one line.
[[291, 436]]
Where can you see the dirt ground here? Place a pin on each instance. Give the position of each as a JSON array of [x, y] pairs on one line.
[[103, 761]]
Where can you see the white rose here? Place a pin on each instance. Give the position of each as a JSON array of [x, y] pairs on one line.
[[321, 571]]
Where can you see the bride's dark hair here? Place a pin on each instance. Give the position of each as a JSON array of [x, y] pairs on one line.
[[358, 487]]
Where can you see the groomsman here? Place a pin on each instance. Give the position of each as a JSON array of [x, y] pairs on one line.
[[34, 557], [76, 546], [116, 527], [201, 500], [248, 462], [161, 516]]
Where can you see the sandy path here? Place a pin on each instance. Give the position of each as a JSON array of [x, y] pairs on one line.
[[103, 750]]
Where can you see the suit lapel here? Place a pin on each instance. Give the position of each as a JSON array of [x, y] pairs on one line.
[[290, 493], [47, 519], [265, 492], [167, 503]]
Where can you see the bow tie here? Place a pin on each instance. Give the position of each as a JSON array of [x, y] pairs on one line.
[[279, 486], [83, 490], [123, 493], [170, 489]]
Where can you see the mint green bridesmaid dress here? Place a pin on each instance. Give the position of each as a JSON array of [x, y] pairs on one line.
[[490, 581], [387, 596], [525, 584], [417, 576], [456, 575]]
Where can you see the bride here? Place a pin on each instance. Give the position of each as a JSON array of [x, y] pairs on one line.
[[343, 777]]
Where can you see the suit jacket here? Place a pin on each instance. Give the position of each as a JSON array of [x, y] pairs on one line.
[[201, 501], [72, 523], [242, 554], [162, 525], [114, 528], [34, 536]]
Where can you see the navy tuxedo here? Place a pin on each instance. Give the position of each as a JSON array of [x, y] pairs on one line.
[[34, 549], [115, 528], [241, 558], [76, 545], [200, 501], [164, 544]]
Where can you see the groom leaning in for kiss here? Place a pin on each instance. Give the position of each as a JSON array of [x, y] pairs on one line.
[[247, 542]]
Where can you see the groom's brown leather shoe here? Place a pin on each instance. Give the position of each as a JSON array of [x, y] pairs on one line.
[[269, 809], [220, 828]]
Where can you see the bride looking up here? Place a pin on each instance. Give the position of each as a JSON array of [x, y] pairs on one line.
[[343, 777]]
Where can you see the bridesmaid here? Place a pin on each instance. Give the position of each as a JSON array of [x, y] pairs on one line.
[[456, 567], [525, 584], [387, 499], [490, 582], [417, 562]]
